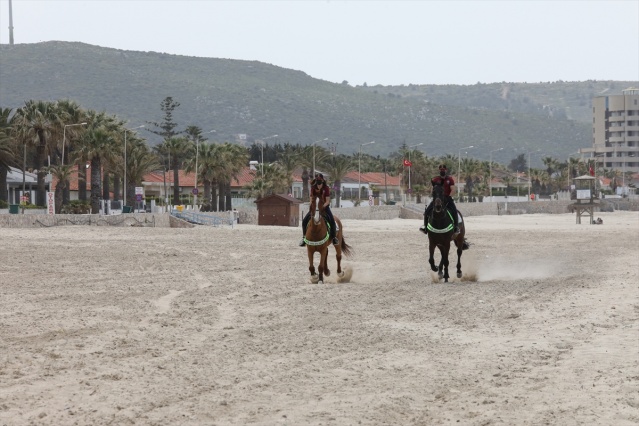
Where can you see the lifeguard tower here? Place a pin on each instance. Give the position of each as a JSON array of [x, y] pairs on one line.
[[584, 194]]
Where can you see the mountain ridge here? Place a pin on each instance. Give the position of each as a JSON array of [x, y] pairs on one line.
[[257, 99]]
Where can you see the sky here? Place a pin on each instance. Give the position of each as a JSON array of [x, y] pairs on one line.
[[386, 42]]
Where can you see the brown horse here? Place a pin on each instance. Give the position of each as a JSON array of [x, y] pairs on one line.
[[317, 241], [440, 233]]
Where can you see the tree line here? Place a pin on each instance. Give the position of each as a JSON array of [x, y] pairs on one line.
[[59, 137]]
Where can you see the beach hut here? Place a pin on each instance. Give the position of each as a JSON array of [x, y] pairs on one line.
[[278, 210]]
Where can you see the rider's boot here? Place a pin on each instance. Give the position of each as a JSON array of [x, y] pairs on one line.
[[302, 243]]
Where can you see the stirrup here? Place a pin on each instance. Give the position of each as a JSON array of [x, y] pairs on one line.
[[422, 229], [335, 241]]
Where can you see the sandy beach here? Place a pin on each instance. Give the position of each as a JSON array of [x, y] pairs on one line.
[[221, 326]]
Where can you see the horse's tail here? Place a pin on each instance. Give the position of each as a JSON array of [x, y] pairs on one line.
[[346, 249]]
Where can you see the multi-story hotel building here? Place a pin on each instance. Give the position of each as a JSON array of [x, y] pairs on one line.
[[615, 131]]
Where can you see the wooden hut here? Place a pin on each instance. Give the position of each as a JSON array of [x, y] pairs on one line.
[[278, 210]]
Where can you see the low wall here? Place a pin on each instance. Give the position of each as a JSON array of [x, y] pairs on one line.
[[46, 220], [248, 215]]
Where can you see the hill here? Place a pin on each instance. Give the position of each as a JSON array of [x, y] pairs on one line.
[[257, 99]]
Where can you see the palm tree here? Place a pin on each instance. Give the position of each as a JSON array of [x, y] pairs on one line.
[[337, 169], [7, 155], [140, 161], [73, 114], [35, 123], [95, 143], [61, 173], [234, 159], [177, 150], [288, 160], [209, 161]]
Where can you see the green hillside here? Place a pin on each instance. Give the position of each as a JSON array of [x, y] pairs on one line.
[[257, 99]]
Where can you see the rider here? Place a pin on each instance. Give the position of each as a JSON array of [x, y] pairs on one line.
[[449, 190], [319, 189]]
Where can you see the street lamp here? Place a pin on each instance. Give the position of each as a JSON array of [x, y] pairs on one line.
[[411, 166], [261, 142], [359, 170], [125, 130], [197, 153], [325, 139], [64, 138], [459, 170], [490, 165]]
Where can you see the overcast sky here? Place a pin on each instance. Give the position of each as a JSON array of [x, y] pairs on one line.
[[388, 42]]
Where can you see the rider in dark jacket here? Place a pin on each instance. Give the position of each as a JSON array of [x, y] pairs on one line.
[[448, 183], [321, 191]]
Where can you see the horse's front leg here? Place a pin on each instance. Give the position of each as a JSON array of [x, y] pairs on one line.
[[459, 255], [431, 258], [444, 262], [311, 267], [338, 256], [324, 262]]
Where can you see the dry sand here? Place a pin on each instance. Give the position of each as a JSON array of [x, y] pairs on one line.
[[206, 326]]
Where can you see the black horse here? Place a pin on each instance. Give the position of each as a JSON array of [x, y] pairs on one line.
[[440, 231]]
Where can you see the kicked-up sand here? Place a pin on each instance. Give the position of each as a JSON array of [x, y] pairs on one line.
[[220, 326]]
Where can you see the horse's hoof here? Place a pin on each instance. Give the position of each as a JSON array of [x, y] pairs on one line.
[[314, 279], [441, 276], [340, 274], [327, 273], [434, 269], [320, 282], [459, 274]]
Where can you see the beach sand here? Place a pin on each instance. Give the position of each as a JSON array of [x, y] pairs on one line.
[[221, 326]]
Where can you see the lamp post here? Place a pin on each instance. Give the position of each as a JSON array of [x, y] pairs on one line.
[[411, 166], [325, 139], [125, 130], [359, 170], [459, 169], [197, 154], [64, 138], [261, 142], [490, 165]]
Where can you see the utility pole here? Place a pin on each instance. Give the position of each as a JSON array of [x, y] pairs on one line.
[[10, 24]]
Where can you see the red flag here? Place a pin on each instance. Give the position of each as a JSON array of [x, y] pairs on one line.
[[407, 163], [591, 171]]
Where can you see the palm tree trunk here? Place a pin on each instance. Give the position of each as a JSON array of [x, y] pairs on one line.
[[338, 193], [214, 196], [59, 195], [116, 188], [105, 187], [95, 185], [82, 182], [228, 196], [207, 192], [305, 193], [221, 199], [176, 185], [4, 193], [40, 154]]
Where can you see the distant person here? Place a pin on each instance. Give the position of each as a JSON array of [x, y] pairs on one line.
[[323, 192], [449, 190]]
